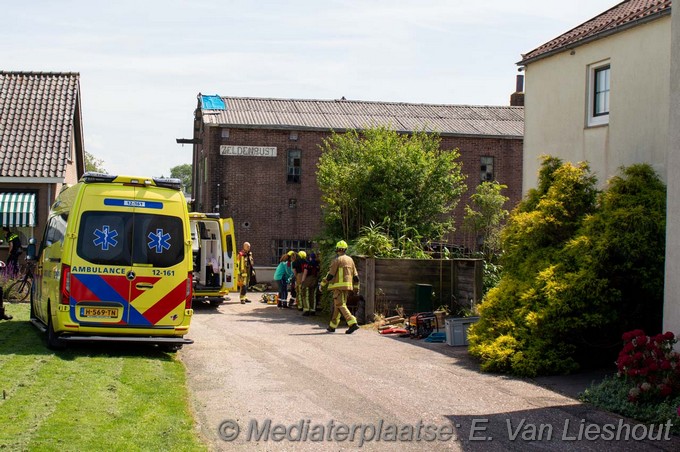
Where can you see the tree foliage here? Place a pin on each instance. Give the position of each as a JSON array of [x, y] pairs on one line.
[[93, 164], [183, 173], [485, 215], [404, 183], [580, 268]]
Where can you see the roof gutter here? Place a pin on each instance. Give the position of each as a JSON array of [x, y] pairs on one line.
[[31, 180]]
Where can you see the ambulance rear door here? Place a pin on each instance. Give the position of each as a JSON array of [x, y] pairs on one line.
[[229, 280], [131, 264]]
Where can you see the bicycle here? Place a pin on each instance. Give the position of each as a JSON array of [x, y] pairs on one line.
[[20, 289]]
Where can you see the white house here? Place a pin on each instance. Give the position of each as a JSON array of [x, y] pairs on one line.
[[600, 92], [606, 92], [671, 314]]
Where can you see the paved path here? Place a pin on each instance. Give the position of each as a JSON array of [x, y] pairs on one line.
[[253, 364]]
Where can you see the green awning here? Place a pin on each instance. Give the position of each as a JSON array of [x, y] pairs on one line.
[[17, 209]]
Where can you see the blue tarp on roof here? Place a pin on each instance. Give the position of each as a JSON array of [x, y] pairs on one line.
[[213, 103]]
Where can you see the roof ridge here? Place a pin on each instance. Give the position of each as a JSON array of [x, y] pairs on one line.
[[363, 102], [37, 73], [625, 14]]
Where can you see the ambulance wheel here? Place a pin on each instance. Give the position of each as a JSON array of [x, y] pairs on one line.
[[216, 303], [53, 341]]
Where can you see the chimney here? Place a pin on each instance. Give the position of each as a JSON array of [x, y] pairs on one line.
[[517, 98]]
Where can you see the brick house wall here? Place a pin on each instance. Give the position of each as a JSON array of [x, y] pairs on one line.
[[254, 190]]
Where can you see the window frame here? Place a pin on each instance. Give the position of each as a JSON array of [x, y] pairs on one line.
[[486, 165], [282, 246], [291, 168], [595, 119]]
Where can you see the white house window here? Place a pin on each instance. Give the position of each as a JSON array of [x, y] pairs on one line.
[[599, 77]]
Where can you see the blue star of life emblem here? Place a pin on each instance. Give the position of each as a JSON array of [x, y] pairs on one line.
[[159, 241], [105, 238]]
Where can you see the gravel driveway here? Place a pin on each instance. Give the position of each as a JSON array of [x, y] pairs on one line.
[[286, 384]]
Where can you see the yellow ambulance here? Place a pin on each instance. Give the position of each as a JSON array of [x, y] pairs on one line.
[[115, 263], [214, 252]]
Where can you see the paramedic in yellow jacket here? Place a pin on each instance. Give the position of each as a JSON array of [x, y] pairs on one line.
[[342, 279], [245, 270]]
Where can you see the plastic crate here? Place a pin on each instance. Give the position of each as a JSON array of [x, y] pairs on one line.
[[456, 330]]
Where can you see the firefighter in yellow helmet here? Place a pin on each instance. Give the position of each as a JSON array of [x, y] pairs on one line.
[[244, 264], [297, 266], [342, 279], [298, 270]]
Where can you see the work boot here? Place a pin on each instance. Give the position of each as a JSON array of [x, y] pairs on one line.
[[352, 328], [330, 330], [4, 316]]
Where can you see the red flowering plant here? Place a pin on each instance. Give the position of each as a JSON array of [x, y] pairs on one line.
[[651, 364]]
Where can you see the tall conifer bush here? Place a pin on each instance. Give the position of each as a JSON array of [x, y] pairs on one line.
[[579, 269]]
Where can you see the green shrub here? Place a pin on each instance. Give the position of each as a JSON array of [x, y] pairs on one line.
[[373, 241], [492, 276], [573, 266]]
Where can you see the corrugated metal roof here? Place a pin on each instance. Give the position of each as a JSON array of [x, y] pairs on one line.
[[621, 16], [37, 110], [339, 115]]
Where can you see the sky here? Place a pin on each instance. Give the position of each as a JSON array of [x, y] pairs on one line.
[[142, 63]]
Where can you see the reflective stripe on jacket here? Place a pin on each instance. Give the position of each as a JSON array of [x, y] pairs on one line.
[[343, 271]]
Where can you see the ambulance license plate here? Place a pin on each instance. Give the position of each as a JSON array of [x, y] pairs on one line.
[[99, 312]]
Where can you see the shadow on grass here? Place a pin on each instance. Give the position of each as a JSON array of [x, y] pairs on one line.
[[19, 337]]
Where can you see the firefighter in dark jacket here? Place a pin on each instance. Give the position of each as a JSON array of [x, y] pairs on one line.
[[309, 284]]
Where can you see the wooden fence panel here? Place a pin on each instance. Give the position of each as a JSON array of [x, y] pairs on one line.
[[386, 283]]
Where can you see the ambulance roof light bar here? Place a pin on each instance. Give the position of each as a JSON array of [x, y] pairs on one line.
[[91, 176], [173, 183], [168, 182]]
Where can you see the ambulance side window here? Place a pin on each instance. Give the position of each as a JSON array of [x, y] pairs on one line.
[[54, 232], [56, 229]]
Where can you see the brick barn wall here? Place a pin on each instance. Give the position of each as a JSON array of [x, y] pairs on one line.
[[254, 190]]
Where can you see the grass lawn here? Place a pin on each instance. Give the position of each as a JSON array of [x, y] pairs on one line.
[[89, 397]]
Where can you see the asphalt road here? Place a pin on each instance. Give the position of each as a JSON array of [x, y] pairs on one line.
[[278, 381]]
